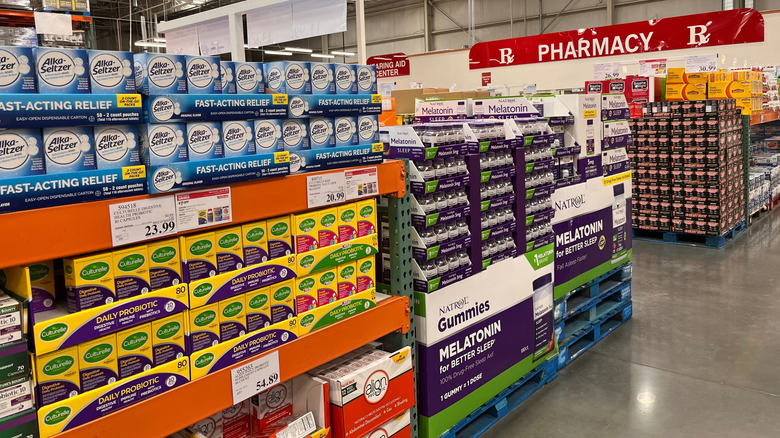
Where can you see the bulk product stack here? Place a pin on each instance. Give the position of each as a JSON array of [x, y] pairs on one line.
[[17, 412], [765, 171]]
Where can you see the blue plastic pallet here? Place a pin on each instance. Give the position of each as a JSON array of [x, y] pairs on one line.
[[691, 239], [595, 311], [590, 336], [479, 421], [591, 292]]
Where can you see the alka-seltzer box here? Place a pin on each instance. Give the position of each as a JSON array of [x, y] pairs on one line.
[[255, 243], [346, 278], [116, 146], [68, 149], [164, 263], [198, 256], [169, 340], [238, 138], [345, 79], [279, 237], [321, 133], [232, 318], [98, 363], [131, 272], [89, 281], [42, 285], [230, 250], [204, 327], [366, 217], [327, 287], [295, 134], [383, 387], [111, 72], [61, 70], [345, 131], [16, 70], [203, 75], [366, 79], [21, 153], [57, 376], [258, 309], [348, 223], [322, 78], [327, 227], [282, 301], [268, 135], [204, 141], [368, 129], [366, 273], [163, 143], [158, 73], [287, 77], [227, 70], [305, 232], [249, 78], [134, 350]]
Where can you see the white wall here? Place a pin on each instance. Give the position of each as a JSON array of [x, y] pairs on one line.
[[444, 69]]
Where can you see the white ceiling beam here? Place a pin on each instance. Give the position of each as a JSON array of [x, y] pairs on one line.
[[225, 11]]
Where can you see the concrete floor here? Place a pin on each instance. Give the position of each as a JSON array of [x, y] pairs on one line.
[[699, 358]]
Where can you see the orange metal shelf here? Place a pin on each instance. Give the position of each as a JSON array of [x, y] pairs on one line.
[[49, 233], [172, 411], [757, 119]]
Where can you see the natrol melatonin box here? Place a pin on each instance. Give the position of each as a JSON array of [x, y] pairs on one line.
[[111, 72], [368, 129], [157, 73], [366, 79], [322, 78], [204, 140], [345, 131], [16, 72], [116, 146], [238, 138], [21, 153], [68, 149], [249, 78], [61, 70], [163, 143], [227, 71], [295, 134], [287, 77], [345, 79], [268, 135], [321, 133], [203, 75]]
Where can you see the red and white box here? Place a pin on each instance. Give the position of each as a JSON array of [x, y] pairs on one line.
[[596, 87], [398, 427]]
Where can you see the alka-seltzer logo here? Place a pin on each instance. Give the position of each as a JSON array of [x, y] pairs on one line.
[[465, 312], [162, 72], [162, 141], [343, 130], [344, 77], [319, 78], [367, 128], [106, 70], [135, 341], [246, 77], [293, 133], [265, 134], [574, 202], [164, 179], [111, 144], [98, 353], [200, 73], [163, 255], [94, 271], [10, 68], [297, 107], [13, 151], [274, 78], [163, 109], [376, 387], [201, 139], [318, 132], [168, 330], [295, 77], [56, 68], [63, 147], [228, 241], [364, 79], [131, 262], [235, 137]]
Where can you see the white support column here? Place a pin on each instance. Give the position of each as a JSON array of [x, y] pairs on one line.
[[610, 12], [360, 19], [236, 29], [325, 44]]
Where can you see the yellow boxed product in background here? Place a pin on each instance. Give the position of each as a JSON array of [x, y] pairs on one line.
[[306, 293], [89, 281], [280, 237], [57, 376], [42, 285], [305, 232], [366, 273], [347, 277], [347, 222], [230, 249], [258, 309], [366, 217], [696, 78], [164, 264], [328, 227], [255, 242], [327, 286], [232, 318], [675, 75], [169, 340], [282, 301], [98, 363], [332, 256], [131, 272], [325, 315], [198, 256], [134, 350], [204, 327]]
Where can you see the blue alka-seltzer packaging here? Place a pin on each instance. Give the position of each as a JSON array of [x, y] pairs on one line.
[[116, 146], [61, 70], [21, 153], [288, 77], [204, 140], [345, 79], [249, 78], [321, 133], [322, 78], [268, 135], [159, 73], [16, 70], [227, 71], [366, 79], [238, 138], [345, 131], [368, 129], [202, 74], [295, 134], [163, 143], [68, 149], [111, 72]]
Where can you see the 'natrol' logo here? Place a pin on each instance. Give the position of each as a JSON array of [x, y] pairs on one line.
[[58, 365], [163, 255], [94, 271], [274, 78], [135, 341], [200, 73], [247, 77], [376, 387], [168, 330], [575, 202], [98, 353], [228, 241], [131, 262], [111, 145], [54, 332]]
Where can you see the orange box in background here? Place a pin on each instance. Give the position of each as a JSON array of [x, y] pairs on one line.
[[675, 75], [696, 78], [729, 89], [686, 92]]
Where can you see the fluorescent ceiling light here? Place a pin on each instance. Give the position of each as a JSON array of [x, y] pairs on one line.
[[298, 49], [274, 52], [382, 59], [198, 2], [149, 44], [320, 55], [158, 40], [399, 56], [342, 53]]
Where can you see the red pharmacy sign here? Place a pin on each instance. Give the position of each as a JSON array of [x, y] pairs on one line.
[[388, 66]]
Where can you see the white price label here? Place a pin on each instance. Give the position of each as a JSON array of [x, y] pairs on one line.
[[325, 189], [204, 208], [145, 219], [701, 63], [361, 183], [255, 377], [606, 71], [652, 67]]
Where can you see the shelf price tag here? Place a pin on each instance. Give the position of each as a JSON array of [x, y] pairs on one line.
[[255, 377], [145, 219], [328, 188], [606, 71], [360, 183], [701, 63], [204, 208]]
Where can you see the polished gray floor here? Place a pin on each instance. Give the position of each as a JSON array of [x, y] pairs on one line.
[[699, 358]]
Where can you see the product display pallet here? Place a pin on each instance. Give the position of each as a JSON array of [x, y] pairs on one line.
[[691, 239], [593, 312], [590, 293], [589, 336], [482, 419], [775, 202]]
